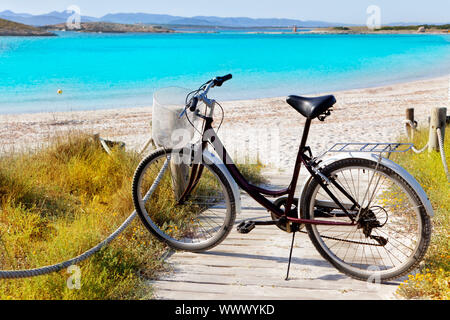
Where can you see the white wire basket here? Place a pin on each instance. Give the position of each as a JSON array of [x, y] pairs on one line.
[[169, 130]]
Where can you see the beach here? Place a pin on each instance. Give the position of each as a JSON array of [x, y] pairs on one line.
[[360, 115]]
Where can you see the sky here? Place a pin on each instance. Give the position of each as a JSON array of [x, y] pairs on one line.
[[345, 11]]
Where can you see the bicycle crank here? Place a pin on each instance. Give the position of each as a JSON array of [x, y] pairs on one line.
[[283, 223]]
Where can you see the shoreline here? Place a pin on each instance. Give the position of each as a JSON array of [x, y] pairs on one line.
[[350, 88], [315, 31], [142, 108], [360, 115]]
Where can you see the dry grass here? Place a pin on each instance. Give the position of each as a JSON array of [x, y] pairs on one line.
[[62, 200], [433, 280]]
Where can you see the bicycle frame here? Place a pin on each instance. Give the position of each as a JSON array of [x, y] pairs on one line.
[[260, 194]]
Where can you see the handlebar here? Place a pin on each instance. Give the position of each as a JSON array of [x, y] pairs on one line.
[[218, 81]]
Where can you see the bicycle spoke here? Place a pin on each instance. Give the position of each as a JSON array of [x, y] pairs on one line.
[[389, 204], [198, 219]]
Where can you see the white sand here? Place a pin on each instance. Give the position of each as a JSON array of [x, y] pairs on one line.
[[362, 115]]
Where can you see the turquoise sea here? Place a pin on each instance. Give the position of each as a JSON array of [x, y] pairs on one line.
[[97, 71]]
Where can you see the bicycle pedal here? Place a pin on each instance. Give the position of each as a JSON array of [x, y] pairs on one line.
[[245, 227]]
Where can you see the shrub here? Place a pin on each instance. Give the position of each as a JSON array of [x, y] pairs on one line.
[[433, 279], [64, 199]]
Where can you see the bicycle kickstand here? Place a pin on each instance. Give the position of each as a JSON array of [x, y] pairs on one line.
[[290, 256]]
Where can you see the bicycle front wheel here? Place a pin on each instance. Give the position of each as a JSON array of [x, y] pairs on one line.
[[200, 222], [393, 230]]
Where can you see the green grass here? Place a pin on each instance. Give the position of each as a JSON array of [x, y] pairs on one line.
[[433, 280], [64, 199]]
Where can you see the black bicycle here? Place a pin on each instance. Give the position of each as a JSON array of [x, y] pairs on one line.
[[365, 214]]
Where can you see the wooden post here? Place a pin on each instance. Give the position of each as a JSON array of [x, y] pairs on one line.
[[409, 129], [180, 175], [437, 120]]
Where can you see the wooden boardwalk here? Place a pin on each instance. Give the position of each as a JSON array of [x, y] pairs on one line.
[[253, 267]]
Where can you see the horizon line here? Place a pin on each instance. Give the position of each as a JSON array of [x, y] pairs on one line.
[[218, 16]]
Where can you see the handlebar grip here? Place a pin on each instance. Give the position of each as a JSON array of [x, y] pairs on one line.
[[227, 77], [193, 104], [220, 80]]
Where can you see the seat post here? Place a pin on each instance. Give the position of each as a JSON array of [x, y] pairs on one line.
[[298, 164], [305, 135]]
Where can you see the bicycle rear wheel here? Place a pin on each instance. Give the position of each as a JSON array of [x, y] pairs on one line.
[[393, 232], [200, 222]]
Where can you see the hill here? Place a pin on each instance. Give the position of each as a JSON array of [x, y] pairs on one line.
[[55, 17], [10, 28], [50, 18]]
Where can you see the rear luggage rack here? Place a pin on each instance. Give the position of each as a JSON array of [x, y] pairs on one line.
[[375, 147]]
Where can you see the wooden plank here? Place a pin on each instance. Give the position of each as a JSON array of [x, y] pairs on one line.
[[267, 280], [192, 290], [253, 266]]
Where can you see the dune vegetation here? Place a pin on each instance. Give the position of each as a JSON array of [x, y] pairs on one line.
[[433, 279], [62, 200]]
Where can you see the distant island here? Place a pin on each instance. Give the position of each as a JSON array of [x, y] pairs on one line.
[[10, 28], [410, 29], [24, 24], [163, 23], [106, 27]]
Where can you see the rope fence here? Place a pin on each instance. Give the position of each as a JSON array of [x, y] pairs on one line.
[[11, 274], [28, 273], [438, 120], [442, 151], [16, 274]]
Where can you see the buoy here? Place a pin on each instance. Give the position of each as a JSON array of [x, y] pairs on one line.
[[59, 91]]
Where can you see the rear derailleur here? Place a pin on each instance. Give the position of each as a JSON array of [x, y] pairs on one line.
[[368, 221]]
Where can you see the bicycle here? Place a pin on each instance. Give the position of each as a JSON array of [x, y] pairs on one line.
[[364, 214]]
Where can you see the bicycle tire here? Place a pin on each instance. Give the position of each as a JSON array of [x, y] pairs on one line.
[[229, 217], [369, 274]]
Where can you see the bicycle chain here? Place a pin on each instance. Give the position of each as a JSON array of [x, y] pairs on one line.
[[344, 240]]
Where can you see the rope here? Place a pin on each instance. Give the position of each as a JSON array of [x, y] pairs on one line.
[[413, 126], [441, 149], [11, 274], [421, 150]]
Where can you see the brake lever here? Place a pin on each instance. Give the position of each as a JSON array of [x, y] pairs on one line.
[[182, 113]]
